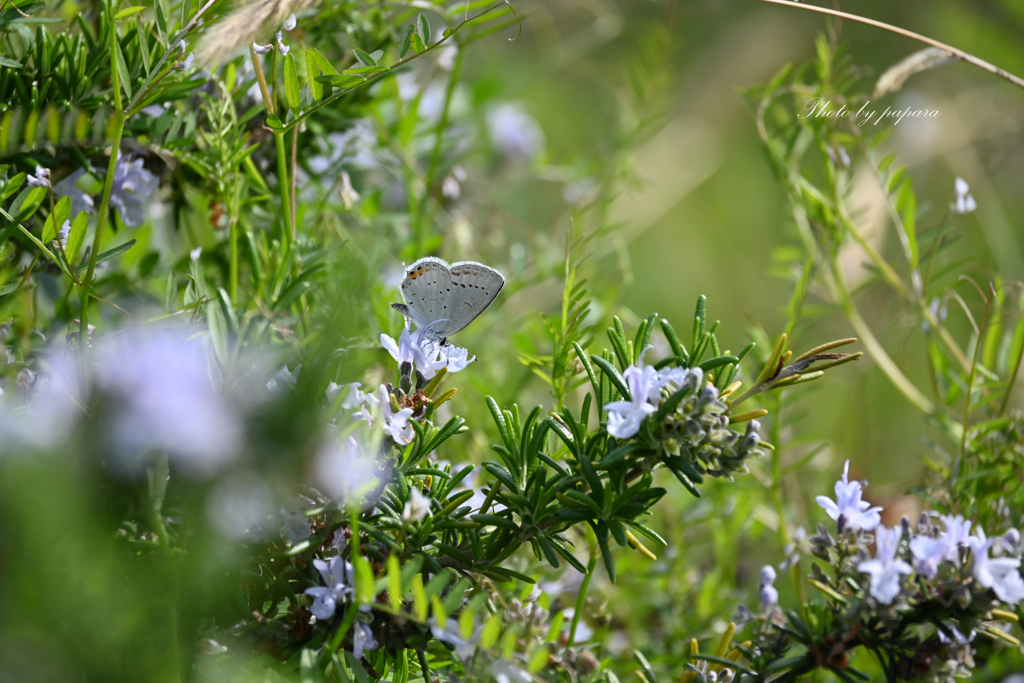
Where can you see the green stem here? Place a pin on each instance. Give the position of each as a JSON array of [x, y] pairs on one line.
[[581, 597], [780, 510], [288, 229], [233, 238], [422, 220], [101, 221], [328, 100], [353, 607]]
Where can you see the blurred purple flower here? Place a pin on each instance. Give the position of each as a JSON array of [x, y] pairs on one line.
[[80, 200], [132, 187], [362, 639], [162, 397], [346, 471], [515, 134]]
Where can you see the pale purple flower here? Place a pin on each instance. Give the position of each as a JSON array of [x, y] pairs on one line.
[[45, 420], [954, 634], [1001, 574], [347, 471], [132, 186], [515, 134], [289, 23], [240, 506], [362, 639], [262, 49], [284, 380], [885, 569], [40, 179], [195, 254], [505, 671], [80, 200], [281, 47], [768, 593], [187, 64], [160, 396], [415, 348], [417, 507], [848, 506], [353, 399], [454, 358], [452, 634], [296, 526], [339, 577], [963, 202], [929, 553], [644, 383], [395, 424], [957, 533], [65, 230]]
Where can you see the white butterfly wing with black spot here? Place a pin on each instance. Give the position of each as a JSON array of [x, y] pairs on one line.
[[474, 287], [427, 292]]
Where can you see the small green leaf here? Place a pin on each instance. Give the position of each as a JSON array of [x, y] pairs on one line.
[[107, 255], [186, 12], [338, 81], [539, 659], [366, 70], [423, 27], [76, 236], [492, 629], [61, 210], [170, 292], [9, 63], [49, 232], [122, 70], [612, 374], [403, 45], [161, 24], [12, 186], [274, 123], [364, 57], [9, 289], [127, 12], [27, 203], [417, 43], [316, 88], [291, 83]]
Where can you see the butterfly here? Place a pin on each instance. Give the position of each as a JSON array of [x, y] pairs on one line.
[[444, 299]]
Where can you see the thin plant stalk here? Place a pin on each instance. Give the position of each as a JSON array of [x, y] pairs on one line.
[[101, 221], [422, 217], [969, 58], [581, 597]]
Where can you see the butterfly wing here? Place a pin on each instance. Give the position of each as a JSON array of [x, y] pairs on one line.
[[427, 292], [474, 287]]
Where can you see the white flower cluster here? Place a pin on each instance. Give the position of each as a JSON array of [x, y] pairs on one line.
[[929, 548], [645, 384]]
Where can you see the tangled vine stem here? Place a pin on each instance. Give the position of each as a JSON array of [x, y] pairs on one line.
[[981, 63]]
